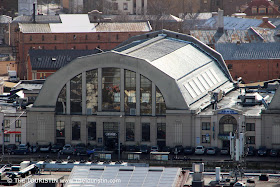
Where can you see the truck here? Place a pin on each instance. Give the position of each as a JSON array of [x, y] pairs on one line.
[[12, 76]]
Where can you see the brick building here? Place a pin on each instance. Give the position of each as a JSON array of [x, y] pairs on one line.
[[43, 63], [75, 32], [254, 62], [261, 8]]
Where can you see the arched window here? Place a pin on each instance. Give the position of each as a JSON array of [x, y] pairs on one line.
[[227, 124]]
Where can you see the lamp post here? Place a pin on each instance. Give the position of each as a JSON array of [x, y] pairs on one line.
[[119, 138]]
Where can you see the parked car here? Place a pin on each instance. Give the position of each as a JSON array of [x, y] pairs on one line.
[[67, 150], [199, 150], [178, 149], [273, 152], [90, 150], [10, 147], [131, 148], [56, 148], [251, 151], [211, 151], [154, 148], [144, 149], [166, 149], [262, 151], [34, 148], [81, 145], [224, 151], [80, 151], [21, 150], [45, 148], [189, 150]]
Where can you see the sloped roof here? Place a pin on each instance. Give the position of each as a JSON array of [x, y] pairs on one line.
[[123, 27], [259, 3], [5, 19], [251, 35], [249, 51], [191, 66], [56, 59], [34, 28], [38, 18]]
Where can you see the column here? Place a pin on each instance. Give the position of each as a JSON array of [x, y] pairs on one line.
[[84, 93], [99, 89], [138, 84], [153, 99], [68, 98], [122, 90]]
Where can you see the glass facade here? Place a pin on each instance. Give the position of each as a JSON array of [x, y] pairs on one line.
[[110, 85], [130, 93], [76, 95], [92, 91], [91, 131], [145, 96], [111, 96], [76, 130]]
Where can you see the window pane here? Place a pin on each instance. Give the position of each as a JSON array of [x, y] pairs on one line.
[[129, 131], [61, 102], [76, 130], [7, 123], [111, 79], [205, 125], [18, 138], [145, 132], [7, 138], [60, 129], [160, 103], [130, 92], [161, 131], [92, 91], [76, 95], [146, 96], [18, 124], [250, 126], [91, 131]]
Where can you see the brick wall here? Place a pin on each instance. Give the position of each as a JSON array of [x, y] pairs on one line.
[[255, 70]]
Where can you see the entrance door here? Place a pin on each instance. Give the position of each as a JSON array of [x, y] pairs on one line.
[[110, 134], [226, 143]]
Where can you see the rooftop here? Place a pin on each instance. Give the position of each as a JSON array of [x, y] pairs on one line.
[[55, 59]]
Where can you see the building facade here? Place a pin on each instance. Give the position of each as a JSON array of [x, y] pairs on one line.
[[145, 91]]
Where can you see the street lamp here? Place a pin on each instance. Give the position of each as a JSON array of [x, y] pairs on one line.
[[119, 138]]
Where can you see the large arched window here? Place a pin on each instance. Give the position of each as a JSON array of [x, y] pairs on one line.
[[109, 83], [227, 124]]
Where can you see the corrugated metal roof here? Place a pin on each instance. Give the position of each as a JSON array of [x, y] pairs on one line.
[[249, 51], [34, 28], [5, 19], [55, 59], [231, 23], [123, 27], [38, 18], [194, 70], [251, 35]]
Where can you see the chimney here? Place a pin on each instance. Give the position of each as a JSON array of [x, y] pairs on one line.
[[265, 19], [34, 9], [220, 21]]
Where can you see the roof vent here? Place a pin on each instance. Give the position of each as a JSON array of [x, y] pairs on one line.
[[126, 169], [97, 168], [39, 59], [53, 59], [156, 169]]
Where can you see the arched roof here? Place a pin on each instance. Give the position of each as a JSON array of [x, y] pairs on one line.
[[54, 83]]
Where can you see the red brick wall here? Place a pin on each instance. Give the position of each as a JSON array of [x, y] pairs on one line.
[[255, 70], [81, 41]]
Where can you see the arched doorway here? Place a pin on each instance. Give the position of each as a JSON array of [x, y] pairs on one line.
[[227, 124]]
